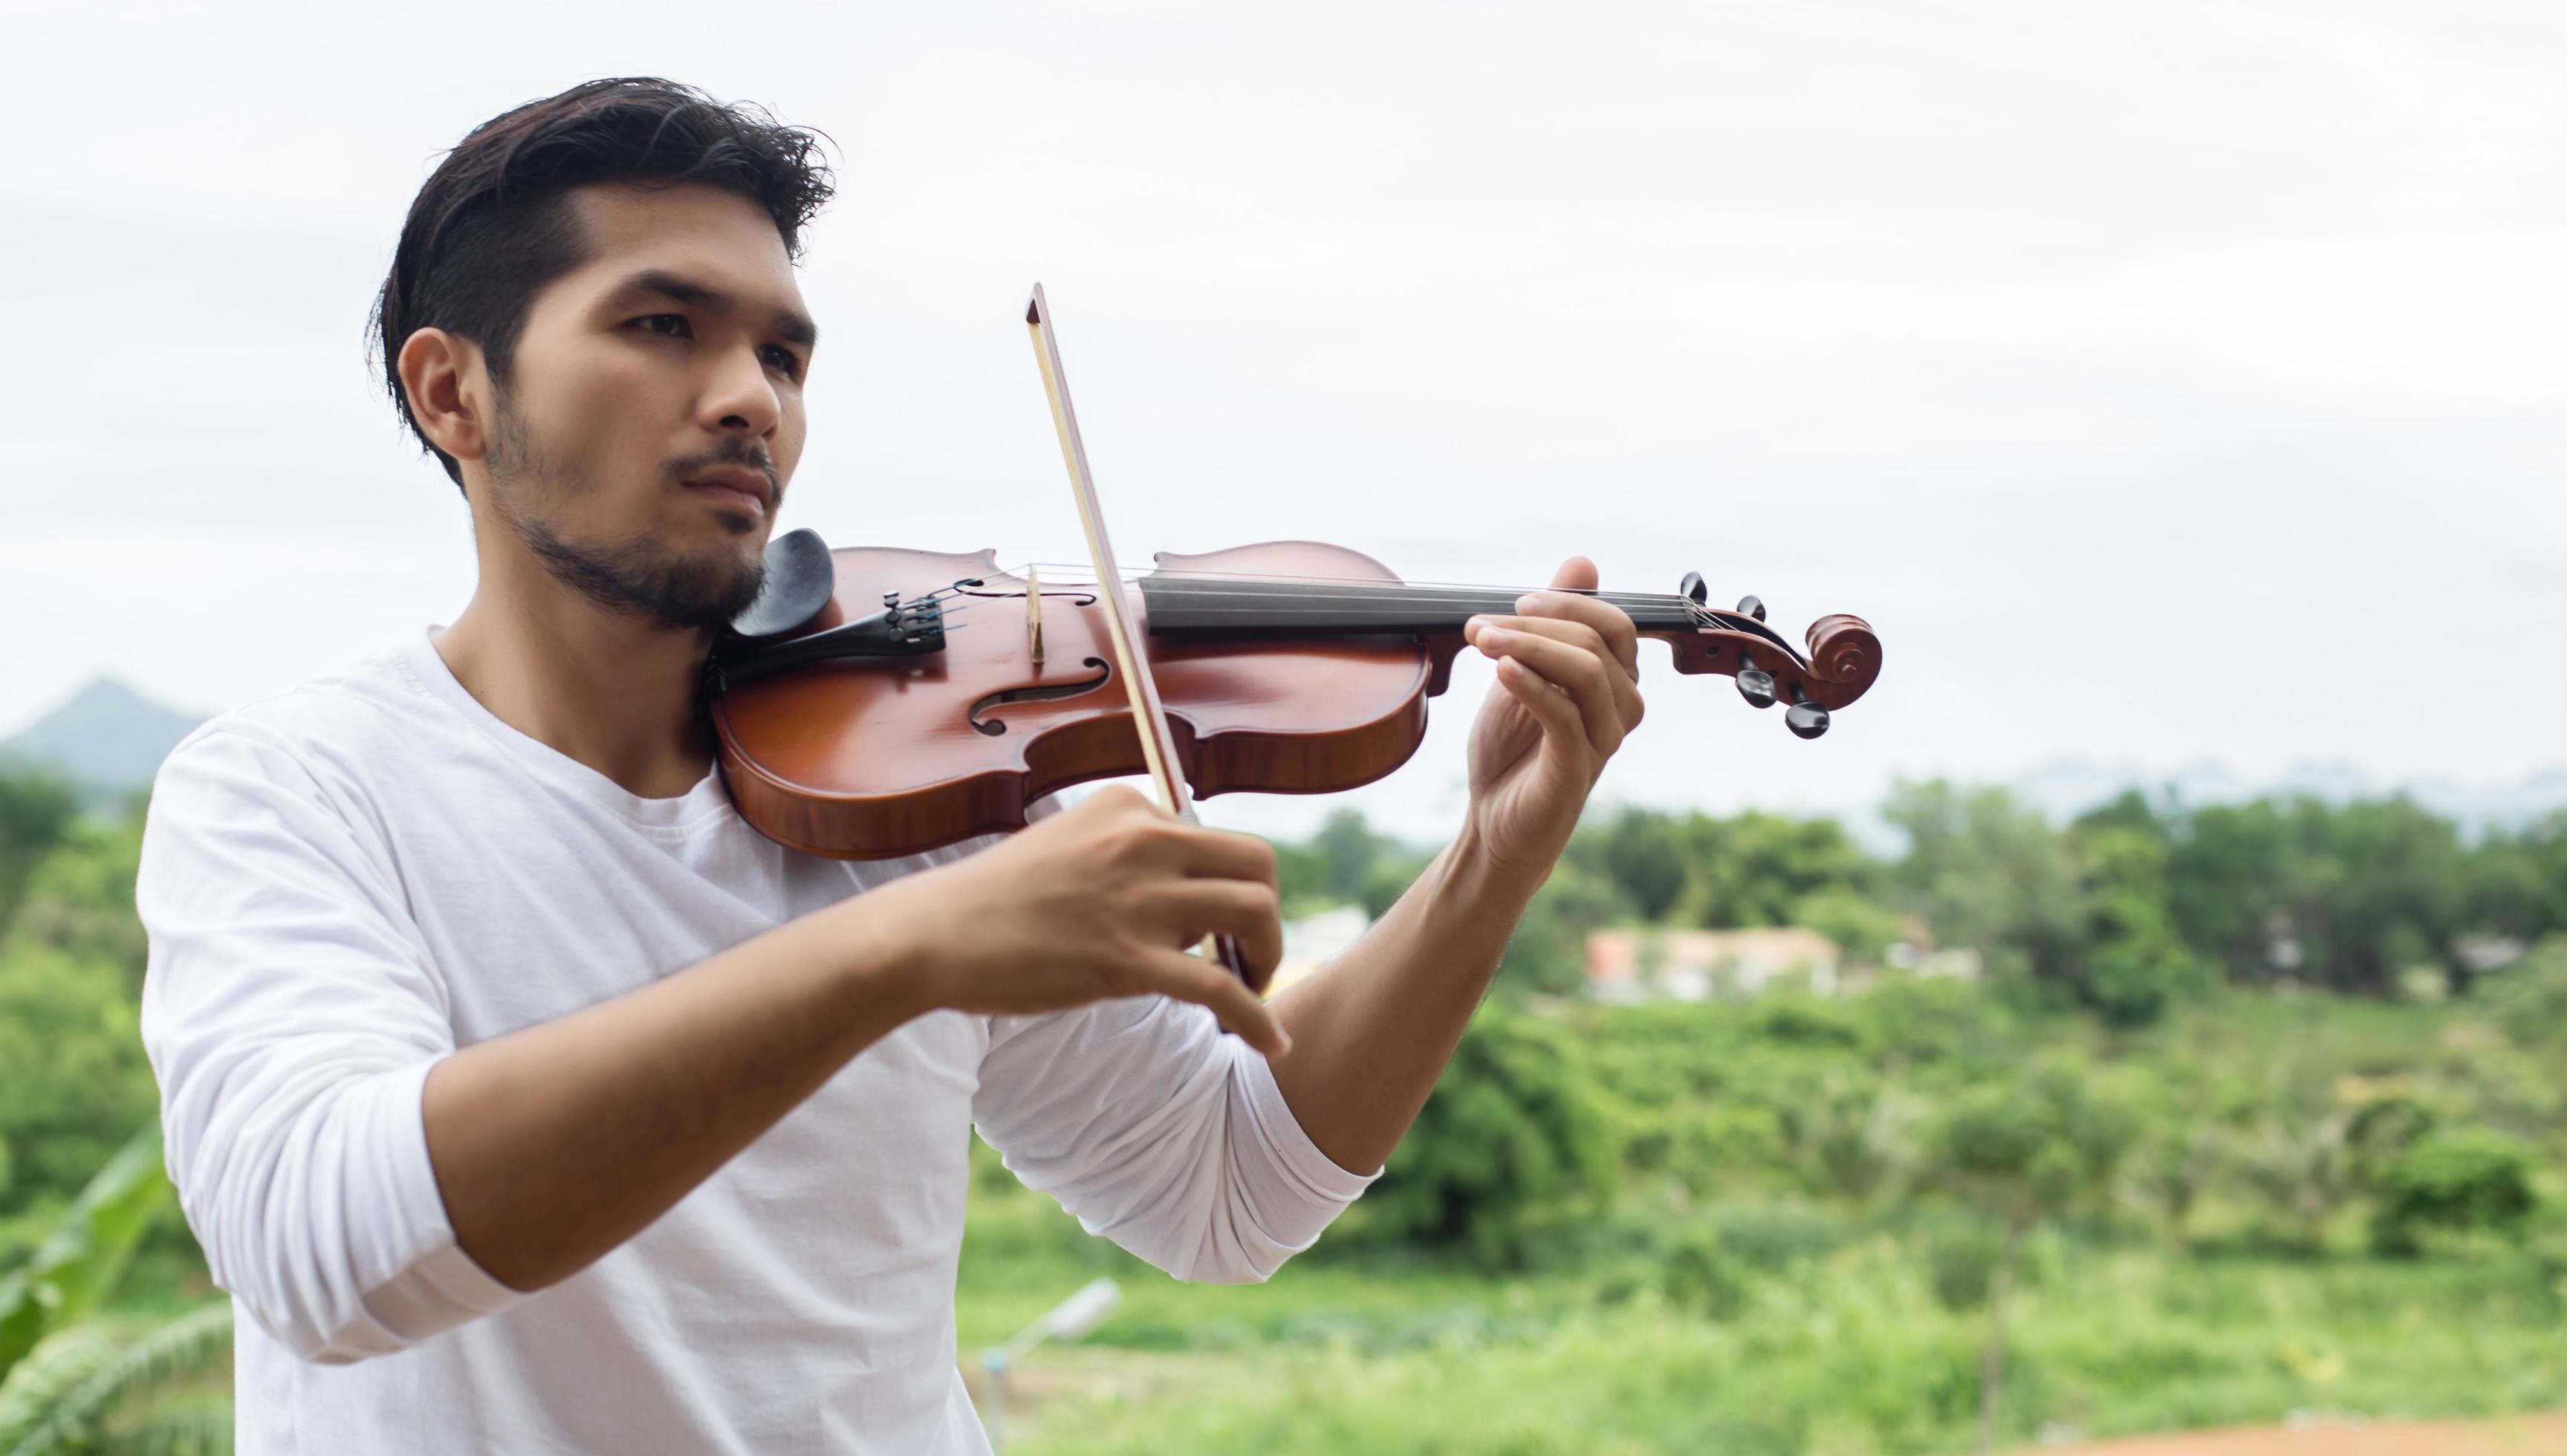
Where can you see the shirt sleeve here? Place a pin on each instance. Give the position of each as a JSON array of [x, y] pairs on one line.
[[291, 1015], [1160, 1133]]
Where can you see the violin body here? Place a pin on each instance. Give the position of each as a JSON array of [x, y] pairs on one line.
[[1287, 667], [871, 758]]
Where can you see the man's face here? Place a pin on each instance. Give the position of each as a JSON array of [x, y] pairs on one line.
[[655, 407]]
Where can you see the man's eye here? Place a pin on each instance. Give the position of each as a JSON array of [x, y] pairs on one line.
[[784, 359], [673, 325]]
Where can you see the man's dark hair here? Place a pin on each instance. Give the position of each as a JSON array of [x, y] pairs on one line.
[[493, 224]]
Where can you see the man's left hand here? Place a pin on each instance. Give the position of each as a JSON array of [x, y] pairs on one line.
[[1567, 693]]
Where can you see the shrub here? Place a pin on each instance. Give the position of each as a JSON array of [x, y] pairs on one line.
[[2458, 1178], [1515, 1135]]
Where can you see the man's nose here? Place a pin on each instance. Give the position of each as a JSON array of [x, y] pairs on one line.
[[742, 396]]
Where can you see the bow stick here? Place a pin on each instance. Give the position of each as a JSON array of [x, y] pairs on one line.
[[1149, 715]]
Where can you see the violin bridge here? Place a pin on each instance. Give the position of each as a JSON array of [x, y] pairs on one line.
[[1033, 614]]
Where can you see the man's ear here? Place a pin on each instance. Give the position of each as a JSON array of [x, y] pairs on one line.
[[443, 375]]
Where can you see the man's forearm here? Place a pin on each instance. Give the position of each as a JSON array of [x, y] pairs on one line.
[[1372, 1031], [556, 1143]]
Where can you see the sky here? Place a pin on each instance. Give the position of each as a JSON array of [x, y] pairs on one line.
[[2166, 383]]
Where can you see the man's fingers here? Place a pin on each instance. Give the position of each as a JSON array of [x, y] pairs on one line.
[[1226, 854], [1582, 675], [1241, 909], [1549, 707], [1610, 623], [1191, 978], [1578, 635]]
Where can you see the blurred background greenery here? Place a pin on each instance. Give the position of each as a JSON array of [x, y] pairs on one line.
[[2164, 1117]]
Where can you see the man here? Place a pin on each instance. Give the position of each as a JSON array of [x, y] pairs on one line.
[[525, 1100]]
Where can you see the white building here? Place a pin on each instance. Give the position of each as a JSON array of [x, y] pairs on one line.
[[1314, 940], [1691, 965]]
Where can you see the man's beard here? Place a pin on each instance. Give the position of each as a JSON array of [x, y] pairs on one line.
[[638, 577]]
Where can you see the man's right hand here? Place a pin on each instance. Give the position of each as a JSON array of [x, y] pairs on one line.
[[1098, 901]]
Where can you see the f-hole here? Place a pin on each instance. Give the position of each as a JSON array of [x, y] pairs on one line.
[[1038, 694]]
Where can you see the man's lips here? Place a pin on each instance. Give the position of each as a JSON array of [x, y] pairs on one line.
[[743, 487]]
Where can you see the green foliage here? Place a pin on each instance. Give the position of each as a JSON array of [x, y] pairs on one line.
[[1988, 873], [74, 1082], [1810, 1199], [36, 809], [2528, 999], [2189, 1140], [73, 1380], [2356, 891], [1961, 1264], [1860, 924], [2462, 1180], [1515, 1135], [1547, 953], [2517, 882], [1845, 1351], [1331, 867], [1752, 869], [2035, 1147], [82, 1260], [62, 1399], [2134, 966], [1702, 1275], [79, 899]]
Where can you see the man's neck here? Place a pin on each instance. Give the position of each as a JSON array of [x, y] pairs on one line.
[[612, 692]]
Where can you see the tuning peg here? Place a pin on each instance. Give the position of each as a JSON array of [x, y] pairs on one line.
[[1755, 683], [1753, 606], [1695, 588], [1805, 717]]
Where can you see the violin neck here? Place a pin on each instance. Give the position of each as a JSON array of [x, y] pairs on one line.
[[1247, 607]]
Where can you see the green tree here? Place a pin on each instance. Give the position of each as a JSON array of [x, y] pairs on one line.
[[1644, 854], [2187, 1144], [2227, 878], [36, 809], [2516, 882], [74, 1082], [2301, 1164], [1757, 869], [1988, 873], [2528, 999], [2131, 965], [1862, 927], [1347, 849], [80, 898], [2457, 1179], [2027, 1151], [1515, 1135], [1547, 953], [2362, 890]]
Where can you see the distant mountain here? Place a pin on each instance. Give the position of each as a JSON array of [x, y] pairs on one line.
[[2070, 788], [107, 738]]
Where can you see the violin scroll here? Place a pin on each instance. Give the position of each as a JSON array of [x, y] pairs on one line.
[[1844, 651], [1843, 660]]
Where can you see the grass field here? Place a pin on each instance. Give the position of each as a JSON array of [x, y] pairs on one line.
[[1828, 1355]]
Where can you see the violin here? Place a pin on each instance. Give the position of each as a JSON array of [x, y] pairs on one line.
[[934, 694], [878, 702]]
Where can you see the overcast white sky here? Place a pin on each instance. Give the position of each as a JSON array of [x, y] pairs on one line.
[[2166, 382]]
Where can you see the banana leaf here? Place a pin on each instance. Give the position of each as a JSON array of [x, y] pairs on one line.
[[84, 1256]]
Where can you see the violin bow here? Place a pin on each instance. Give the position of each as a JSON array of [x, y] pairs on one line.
[[1149, 715]]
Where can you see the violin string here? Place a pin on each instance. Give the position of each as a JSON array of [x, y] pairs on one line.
[[1411, 594], [1387, 586], [1372, 592], [1457, 595]]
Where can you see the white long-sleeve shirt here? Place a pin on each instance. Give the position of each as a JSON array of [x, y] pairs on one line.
[[349, 881]]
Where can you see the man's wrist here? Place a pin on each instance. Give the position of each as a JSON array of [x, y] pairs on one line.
[[1469, 875], [875, 955]]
